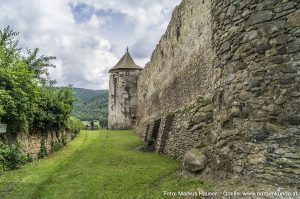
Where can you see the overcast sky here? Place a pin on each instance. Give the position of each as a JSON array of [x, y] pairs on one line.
[[88, 36]]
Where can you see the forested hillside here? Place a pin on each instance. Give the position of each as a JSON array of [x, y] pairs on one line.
[[91, 105]]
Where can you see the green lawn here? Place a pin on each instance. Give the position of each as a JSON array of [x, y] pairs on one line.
[[97, 164]]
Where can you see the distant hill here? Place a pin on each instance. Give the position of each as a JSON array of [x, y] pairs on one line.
[[91, 105]]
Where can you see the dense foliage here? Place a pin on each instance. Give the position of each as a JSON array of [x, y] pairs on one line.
[[91, 105], [12, 156], [55, 106], [28, 100], [74, 125]]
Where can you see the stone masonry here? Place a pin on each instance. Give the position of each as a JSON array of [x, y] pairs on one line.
[[223, 85], [31, 142]]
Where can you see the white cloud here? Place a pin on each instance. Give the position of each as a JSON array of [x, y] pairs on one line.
[[84, 52]]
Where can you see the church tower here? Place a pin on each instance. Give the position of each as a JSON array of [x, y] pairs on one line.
[[123, 93]]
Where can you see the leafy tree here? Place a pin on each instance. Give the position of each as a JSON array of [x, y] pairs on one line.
[[28, 100], [39, 66], [54, 107], [18, 88]]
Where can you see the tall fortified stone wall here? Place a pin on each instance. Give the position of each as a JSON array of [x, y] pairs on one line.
[[181, 66], [225, 80]]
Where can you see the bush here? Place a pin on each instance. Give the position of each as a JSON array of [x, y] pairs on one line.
[[74, 125], [43, 150], [56, 147], [12, 156]]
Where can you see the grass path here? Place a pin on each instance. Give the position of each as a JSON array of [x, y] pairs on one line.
[[98, 164]]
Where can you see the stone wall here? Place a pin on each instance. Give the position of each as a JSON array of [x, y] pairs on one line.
[[31, 143], [256, 96], [224, 79], [184, 129]]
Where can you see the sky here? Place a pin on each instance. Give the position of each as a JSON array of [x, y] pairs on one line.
[[88, 37]]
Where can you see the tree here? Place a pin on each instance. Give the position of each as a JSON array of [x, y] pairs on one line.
[[28, 99]]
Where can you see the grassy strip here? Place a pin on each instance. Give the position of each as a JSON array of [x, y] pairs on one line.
[[98, 164]]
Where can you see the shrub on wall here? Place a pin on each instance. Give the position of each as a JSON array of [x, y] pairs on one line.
[[12, 156], [55, 106], [74, 125], [56, 147], [43, 149]]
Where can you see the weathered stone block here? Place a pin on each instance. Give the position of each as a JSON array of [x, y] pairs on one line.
[[246, 13], [283, 13], [294, 46], [262, 46], [260, 16], [256, 159], [293, 119], [239, 65], [238, 169], [201, 117], [272, 109], [206, 108], [281, 39], [235, 111], [197, 127], [258, 135], [225, 47], [287, 69], [231, 11], [294, 19], [254, 83], [194, 161], [268, 28]]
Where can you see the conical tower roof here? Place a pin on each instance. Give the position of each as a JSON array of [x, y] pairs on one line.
[[126, 62]]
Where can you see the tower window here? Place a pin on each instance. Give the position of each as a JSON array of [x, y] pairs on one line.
[[115, 80], [127, 73]]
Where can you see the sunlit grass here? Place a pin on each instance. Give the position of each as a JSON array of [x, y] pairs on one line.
[[97, 164]]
